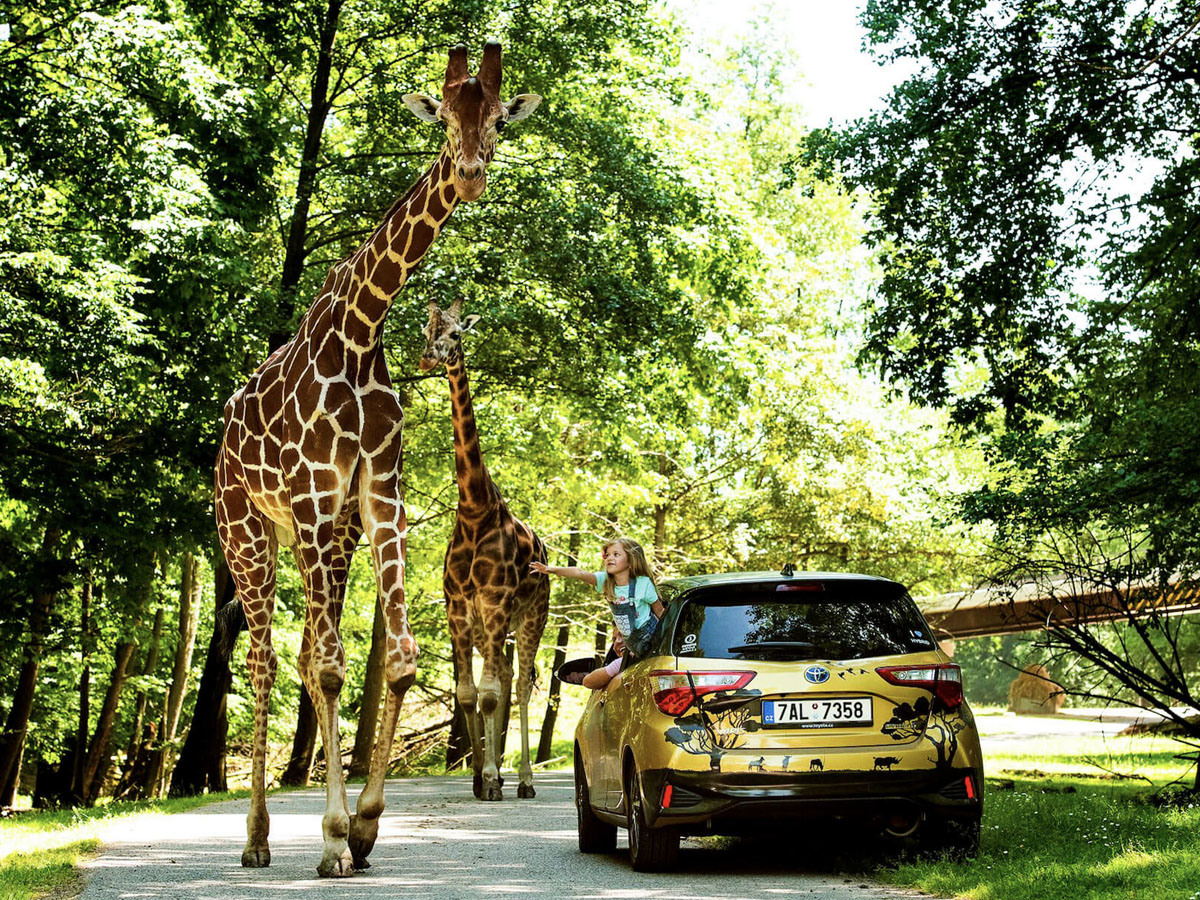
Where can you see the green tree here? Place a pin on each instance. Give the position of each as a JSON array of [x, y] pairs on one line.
[[1037, 218]]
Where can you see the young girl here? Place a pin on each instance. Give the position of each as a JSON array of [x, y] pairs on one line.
[[629, 588]]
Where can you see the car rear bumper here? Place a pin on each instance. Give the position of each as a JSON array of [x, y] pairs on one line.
[[726, 802]]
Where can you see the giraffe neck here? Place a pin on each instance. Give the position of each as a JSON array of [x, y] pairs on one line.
[[371, 277], [475, 488]]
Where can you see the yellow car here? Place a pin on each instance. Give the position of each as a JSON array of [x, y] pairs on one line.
[[773, 697]]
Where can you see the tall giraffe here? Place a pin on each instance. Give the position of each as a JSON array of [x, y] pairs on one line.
[[490, 591], [311, 459]]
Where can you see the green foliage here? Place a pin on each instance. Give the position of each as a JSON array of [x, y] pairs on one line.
[[989, 665], [666, 321], [1036, 219], [1035, 227]]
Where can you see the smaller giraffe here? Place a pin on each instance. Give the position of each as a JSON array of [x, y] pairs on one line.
[[490, 592]]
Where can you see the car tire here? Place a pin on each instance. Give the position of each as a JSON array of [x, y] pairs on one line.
[[650, 849], [954, 839], [594, 836]]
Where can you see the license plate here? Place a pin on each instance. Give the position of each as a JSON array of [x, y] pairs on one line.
[[817, 713]]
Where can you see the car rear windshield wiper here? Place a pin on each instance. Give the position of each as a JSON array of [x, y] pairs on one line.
[[780, 646]]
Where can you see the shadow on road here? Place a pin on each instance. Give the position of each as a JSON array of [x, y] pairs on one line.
[[437, 841]]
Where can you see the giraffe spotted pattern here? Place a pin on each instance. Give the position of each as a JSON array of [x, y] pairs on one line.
[[311, 459], [490, 592]]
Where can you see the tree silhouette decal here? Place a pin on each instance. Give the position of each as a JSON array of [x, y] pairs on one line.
[[937, 724], [705, 733]]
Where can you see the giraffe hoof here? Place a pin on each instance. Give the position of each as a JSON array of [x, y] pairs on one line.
[[491, 790], [256, 858], [526, 792], [477, 786], [339, 867], [362, 840]]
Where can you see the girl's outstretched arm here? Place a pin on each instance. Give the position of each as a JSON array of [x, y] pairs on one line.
[[563, 571]]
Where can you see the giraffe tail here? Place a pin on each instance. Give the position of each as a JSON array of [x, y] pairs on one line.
[[231, 621]]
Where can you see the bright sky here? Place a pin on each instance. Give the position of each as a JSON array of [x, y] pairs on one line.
[[835, 78]]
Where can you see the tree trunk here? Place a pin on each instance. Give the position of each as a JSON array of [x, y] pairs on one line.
[[318, 112], [143, 734], [79, 753], [201, 764], [372, 695], [148, 667], [12, 740], [458, 744], [660, 518], [602, 639], [554, 693], [660, 537], [189, 613], [95, 767], [304, 744]]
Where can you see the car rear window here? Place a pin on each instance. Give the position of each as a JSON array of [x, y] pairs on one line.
[[836, 621]]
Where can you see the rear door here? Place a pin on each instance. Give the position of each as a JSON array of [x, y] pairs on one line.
[[595, 747], [814, 651]]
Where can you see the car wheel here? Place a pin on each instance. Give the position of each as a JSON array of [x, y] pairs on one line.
[[594, 836], [650, 849], [955, 839]]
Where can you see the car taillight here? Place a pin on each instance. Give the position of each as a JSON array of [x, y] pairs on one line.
[[675, 691], [944, 681]]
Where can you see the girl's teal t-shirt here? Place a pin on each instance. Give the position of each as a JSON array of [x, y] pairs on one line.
[[630, 613]]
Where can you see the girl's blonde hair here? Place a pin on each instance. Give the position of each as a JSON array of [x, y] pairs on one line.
[[638, 566]]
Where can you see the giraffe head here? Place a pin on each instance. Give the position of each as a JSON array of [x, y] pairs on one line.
[[443, 334], [473, 115]]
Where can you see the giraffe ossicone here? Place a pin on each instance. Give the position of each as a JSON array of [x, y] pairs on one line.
[[311, 459], [490, 592]]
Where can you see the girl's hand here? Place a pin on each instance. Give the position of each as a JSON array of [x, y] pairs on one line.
[[540, 567]]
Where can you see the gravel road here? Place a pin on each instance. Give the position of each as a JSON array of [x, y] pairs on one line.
[[436, 841]]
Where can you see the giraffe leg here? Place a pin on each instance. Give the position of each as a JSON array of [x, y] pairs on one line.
[[346, 535], [528, 636], [504, 712], [326, 672], [497, 675], [248, 543], [462, 629], [386, 524]]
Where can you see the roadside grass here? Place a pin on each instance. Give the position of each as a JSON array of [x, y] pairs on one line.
[[40, 851], [1075, 819], [1148, 759], [37, 873]]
